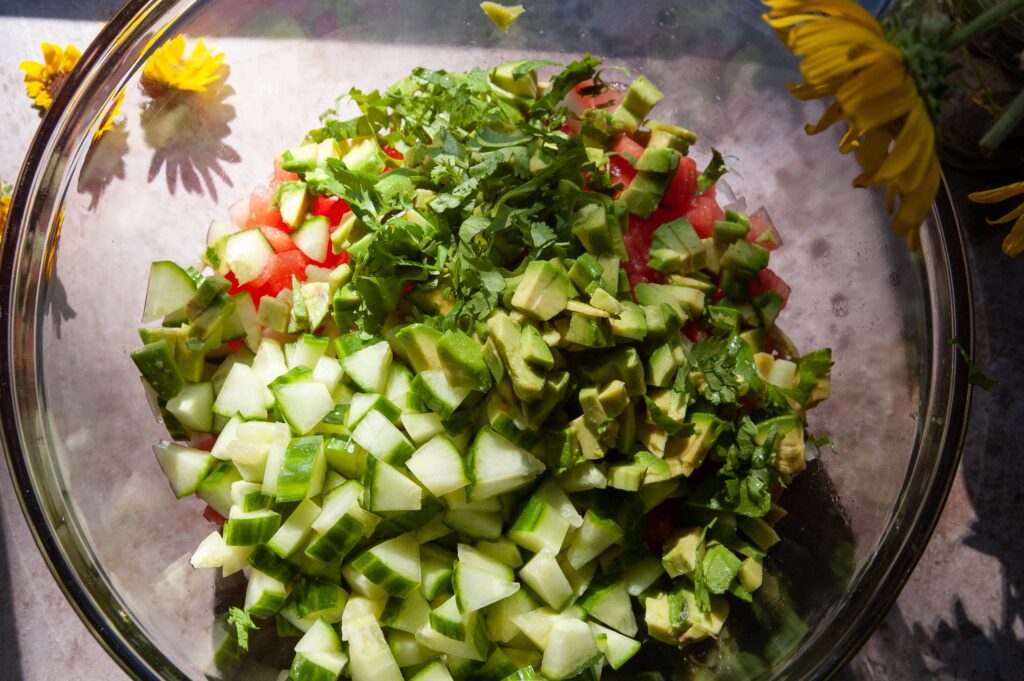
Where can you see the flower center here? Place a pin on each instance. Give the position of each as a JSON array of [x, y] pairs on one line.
[[55, 83]]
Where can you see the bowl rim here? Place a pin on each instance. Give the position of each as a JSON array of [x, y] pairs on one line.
[[106, 626]]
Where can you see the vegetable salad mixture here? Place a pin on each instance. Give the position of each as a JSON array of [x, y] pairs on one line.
[[484, 385]]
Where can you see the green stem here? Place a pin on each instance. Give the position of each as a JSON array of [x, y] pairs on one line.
[[980, 23], [1004, 125]]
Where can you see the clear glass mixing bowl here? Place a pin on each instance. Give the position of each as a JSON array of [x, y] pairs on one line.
[[90, 215]]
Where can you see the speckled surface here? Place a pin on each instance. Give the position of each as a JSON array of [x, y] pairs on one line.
[[960, 617]]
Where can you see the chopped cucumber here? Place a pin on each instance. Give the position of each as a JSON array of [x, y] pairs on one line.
[[368, 368], [169, 288], [439, 466], [185, 468], [247, 254], [393, 565]]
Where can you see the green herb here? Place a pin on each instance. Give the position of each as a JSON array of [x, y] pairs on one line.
[[243, 623], [975, 376], [728, 370], [716, 168]]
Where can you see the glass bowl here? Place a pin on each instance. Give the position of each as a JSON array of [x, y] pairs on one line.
[[90, 214]]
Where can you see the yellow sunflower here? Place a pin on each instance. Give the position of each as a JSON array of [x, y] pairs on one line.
[[1013, 244], [44, 80], [107, 122], [169, 68], [846, 55]]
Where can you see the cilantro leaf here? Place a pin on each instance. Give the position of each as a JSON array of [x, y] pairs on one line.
[[716, 168], [719, 567], [357, 189], [666, 422], [564, 81], [975, 376], [700, 585], [242, 622], [525, 67]]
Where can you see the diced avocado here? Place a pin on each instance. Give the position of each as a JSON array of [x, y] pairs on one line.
[[684, 301], [506, 334], [204, 333], [687, 137], [676, 247], [680, 552], [338, 277], [661, 366], [417, 344], [587, 437], [625, 439], [584, 270], [605, 301], [591, 332], [555, 387], [610, 272], [613, 398], [725, 319], [789, 443], [543, 291], [364, 156], [348, 230], [294, 201], [760, 532], [300, 159], [644, 193], [597, 227], [744, 259], [751, 574], [659, 161], [727, 231], [503, 16], [592, 407], [273, 313], [315, 297], [686, 612], [535, 351], [754, 338], [205, 294], [638, 101], [462, 359], [685, 455], [578, 306], [328, 149], [631, 321], [504, 76]]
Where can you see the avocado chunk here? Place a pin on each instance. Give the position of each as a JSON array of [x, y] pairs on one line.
[[294, 201], [602, 300], [273, 313], [543, 291], [680, 552], [535, 351], [503, 16], [684, 301], [661, 366], [638, 101], [631, 321], [587, 438], [598, 229], [658, 160], [315, 297], [506, 333], [462, 359], [300, 159], [676, 248], [614, 398], [417, 344], [681, 136], [585, 270], [364, 156], [645, 192], [728, 231], [789, 442], [685, 455], [744, 259], [555, 387], [206, 292], [591, 332], [523, 85], [204, 333]]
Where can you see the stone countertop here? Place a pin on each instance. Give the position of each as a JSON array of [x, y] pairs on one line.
[[961, 615]]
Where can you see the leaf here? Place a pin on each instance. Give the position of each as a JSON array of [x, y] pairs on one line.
[[716, 168], [667, 423], [357, 189], [472, 226], [563, 82], [242, 623], [975, 376], [525, 67]]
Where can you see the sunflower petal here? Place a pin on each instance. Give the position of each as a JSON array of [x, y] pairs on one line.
[[1013, 244], [998, 194]]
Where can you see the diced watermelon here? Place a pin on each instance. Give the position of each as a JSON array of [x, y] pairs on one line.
[[278, 274], [262, 212], [331, 207], [765, 281], [638, 247], [703, 212], [239, 212], [608, 99], [684, 185], [762, 230], [213, 516], [281, 175], [279, 240], [624, 144], [391, 152]]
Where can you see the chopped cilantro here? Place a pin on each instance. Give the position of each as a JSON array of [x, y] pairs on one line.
[[716, 168], [242, 623], [975, 376]]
